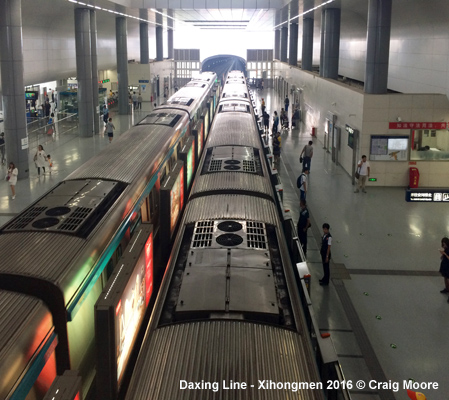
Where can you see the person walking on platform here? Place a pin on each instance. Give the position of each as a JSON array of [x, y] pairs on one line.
[[363, 168], [301, 183], [308, 154], [11, 177], [444, 267], [286, 103], [262, 106], [40, 159], [2, 147], [105, 115], [326, 243], [303, 225], [110, 130], [134, 98]]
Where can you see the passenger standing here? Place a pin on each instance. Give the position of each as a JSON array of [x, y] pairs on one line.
[[11, 177], [275, 123], [262, 105], [301, 183], [266, 121], [110, 130], [2, 147], [134, 100], [276, 147], [444, 266], [308, 154], [40, 159], [105, 115], [325, 251], [50, 163], [47, 108], [363, 168], [286, 103], [139, 101], [303, 225]]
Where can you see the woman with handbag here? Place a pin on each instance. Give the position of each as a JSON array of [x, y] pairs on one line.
[[11, 177], [40, 159]]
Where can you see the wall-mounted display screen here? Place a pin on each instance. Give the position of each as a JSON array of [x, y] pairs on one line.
[[120, 310], [31, 95], [389, 148], [351, 132]]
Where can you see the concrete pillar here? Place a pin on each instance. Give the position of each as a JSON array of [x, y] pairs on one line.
[[378, 46], [159, 38], [277, 44], [277, 35], [284, 43], [293, 50], [171, 54], [84, 72], [322, 43], [122, 64], [331, 49], [93, 41], [307, 44], [144, 45], [12, 85]]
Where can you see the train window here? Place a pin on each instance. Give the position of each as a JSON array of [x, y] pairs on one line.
[[118, 254], [161, 118], [135, 222], [234, 107], [144, 210]]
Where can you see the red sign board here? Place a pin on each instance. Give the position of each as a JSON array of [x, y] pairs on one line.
[[417, 125]]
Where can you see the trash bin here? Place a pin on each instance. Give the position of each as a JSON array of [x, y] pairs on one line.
[[414, 177], [313, 131]]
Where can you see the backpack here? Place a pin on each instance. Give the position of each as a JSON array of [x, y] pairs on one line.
[[299, 181]]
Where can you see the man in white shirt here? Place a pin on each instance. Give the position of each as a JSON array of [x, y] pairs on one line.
[[363, 168]]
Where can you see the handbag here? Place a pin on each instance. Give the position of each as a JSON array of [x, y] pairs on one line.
[[8, 177], [301, 159], [357, 173]]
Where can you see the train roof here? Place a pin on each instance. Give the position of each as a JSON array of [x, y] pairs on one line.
[[217, 351], [139, 146], [24, 322], [239, 131], [231, 206]]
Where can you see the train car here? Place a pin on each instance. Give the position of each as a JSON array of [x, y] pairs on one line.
[[58, 254], [228, 321]]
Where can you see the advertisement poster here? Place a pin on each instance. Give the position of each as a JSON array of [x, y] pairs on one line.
[[148, 269], [200, 140], [176, 200], [190, 164], [129, 313], [131, 307]]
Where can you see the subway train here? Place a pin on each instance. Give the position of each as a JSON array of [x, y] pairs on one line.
[[228, 321], [58, 254]]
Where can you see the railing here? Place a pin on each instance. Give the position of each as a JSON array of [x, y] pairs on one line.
[[40, 131], [325, 354]]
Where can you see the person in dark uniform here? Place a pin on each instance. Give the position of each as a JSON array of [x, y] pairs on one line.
[[303, 225], [325, 251], [444, 266]]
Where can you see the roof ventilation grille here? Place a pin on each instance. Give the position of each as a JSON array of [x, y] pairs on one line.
[[27, 217], [202, 236]]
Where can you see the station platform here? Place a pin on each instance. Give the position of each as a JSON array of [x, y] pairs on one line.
[[383, 308]]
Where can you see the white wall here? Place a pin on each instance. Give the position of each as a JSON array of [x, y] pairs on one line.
[[370, 114]]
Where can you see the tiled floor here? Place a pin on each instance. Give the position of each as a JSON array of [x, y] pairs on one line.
[[388, 321], [389, 247]]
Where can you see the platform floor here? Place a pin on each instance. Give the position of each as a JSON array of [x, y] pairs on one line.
[[383, 308]]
